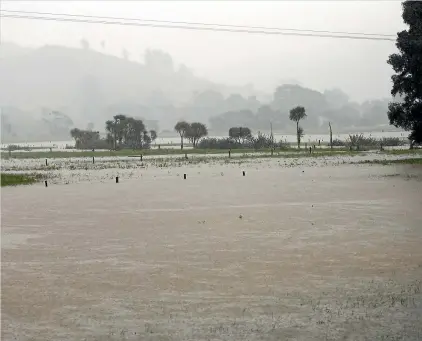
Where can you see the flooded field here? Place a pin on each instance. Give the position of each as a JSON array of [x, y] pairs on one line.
[[105, 169], [298, 249]]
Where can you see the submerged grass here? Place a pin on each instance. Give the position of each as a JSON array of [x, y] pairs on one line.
[[158, 152], [19, 179], [404, 151], [410, 161]]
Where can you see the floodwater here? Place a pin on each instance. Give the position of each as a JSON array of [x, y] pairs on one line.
[[105, 169], [283, 253]]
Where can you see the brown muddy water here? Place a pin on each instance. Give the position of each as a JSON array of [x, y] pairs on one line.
[[284, 253]]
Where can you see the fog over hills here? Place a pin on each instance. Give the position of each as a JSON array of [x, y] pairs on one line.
[[48, 90]]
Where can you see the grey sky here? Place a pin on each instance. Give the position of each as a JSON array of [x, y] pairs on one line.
[[357, 66]]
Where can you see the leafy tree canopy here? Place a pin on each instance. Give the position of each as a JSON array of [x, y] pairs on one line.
[[407, 81]]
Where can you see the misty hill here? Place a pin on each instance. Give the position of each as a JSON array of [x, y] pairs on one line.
[[47, 91], [89, 86], [330, 106], [83, 82]]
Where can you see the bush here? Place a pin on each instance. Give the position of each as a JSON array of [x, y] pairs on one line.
[[224, 143], [392, 142], [338, 143], [358, 141], [259, 142]]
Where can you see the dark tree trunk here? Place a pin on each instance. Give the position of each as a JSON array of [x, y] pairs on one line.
[[297, 135]]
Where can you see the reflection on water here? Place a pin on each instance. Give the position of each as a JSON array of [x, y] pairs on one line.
[[305, 253]]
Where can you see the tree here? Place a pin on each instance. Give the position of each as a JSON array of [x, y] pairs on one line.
[[85, 139], [195, 132], [116, 129], [300, 134], [297, 114], [133, 132], [153, 135], [240, 133], [111, 133], [182, 127], [408, 78], [119, 126]]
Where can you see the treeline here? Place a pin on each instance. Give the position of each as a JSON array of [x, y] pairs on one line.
[[239, 137], [329, 106], [122, 132]]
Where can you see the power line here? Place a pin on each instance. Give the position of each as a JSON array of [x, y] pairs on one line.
[[193, 27], [200, 23]]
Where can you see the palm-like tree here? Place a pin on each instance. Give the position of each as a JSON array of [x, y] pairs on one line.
[[297, 114]]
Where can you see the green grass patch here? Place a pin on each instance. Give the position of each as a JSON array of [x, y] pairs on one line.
[[19, 179]]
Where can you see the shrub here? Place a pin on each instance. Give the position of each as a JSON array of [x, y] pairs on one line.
[[392, 141], [339, 143], [259, 142]]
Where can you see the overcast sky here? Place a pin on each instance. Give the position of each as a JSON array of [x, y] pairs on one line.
[[356, 66]]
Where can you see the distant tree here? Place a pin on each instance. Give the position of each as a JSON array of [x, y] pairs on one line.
[[128, 132], [146, 139], [133, 133], [103, 44], [300, 133], [153, 135], [116, 129], [76, 134], [111, 133], [182, 127], [195, 132], [297, 114], [240, 133], [408, 78], [85, 139], [120, 125]]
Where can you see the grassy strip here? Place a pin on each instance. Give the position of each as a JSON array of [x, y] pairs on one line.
[[404, 151], [410, 161], [161, 152], [19, 179]]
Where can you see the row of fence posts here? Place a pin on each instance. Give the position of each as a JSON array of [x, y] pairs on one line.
[[185, 176], [186, 155]]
